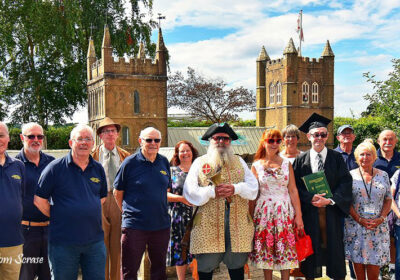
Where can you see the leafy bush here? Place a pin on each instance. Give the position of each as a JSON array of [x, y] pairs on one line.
[[366, 127]]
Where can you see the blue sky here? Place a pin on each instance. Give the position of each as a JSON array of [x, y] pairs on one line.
[[223, 39]]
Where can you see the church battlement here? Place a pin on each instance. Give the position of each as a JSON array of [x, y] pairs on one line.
[[289, 89], [139, 65], [130, 90], [275, 61]]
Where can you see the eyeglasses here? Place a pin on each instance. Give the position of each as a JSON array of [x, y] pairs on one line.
[[219, 138], [32, 137], [150, 140], [81, 140], [273, 140], [109, 131], [317, 135]]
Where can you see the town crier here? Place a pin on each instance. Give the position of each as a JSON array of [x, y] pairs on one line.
[[221, 185]]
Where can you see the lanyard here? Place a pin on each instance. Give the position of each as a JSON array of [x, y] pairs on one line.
[[370, 184]]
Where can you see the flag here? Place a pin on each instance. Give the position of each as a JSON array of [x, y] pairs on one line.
[[300, 26]]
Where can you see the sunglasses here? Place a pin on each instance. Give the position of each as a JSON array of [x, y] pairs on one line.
[[273, 140], [219, 138], [32, 137], [150, 140], [317, 135]]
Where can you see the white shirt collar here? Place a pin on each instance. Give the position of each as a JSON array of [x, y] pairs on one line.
[[313, 158]]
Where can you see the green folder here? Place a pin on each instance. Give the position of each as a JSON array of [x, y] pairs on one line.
[[316, 183]]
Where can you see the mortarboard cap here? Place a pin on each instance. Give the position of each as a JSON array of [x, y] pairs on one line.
[[219, 128], [314, 121]]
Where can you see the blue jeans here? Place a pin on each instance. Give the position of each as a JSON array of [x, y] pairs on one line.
[[66, 259], [397, 243]]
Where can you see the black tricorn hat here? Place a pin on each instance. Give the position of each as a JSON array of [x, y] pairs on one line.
[[314, 121], [219, 128]]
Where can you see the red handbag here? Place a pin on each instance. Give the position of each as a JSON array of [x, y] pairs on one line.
[[303, 246]]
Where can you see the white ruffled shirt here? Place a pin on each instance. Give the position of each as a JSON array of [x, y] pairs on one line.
[[201, 195]]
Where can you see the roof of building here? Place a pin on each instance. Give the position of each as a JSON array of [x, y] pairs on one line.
[[247, 143]]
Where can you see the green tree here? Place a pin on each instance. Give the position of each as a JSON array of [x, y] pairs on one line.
[[208, 99], [385, 100], [43, 46]]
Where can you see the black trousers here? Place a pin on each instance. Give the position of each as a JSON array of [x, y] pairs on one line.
[[35, 261]]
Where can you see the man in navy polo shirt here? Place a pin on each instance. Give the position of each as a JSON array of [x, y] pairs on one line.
[[12, 187], [76, 186], [388, 158], [34, 223], [141, 192], [345, 136]]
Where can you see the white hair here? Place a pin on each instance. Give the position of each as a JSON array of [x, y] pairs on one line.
[[5, 127], [79, 128], [148, 130], [218, 158], [28, 126]]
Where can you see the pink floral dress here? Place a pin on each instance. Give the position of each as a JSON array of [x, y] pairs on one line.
[[274, 240]]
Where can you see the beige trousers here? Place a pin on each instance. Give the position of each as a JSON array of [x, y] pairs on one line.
[[112, 237], [10, 262]]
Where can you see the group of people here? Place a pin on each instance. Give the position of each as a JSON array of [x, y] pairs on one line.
[[99, 208]]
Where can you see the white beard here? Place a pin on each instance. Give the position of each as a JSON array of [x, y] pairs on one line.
[[217, 158]]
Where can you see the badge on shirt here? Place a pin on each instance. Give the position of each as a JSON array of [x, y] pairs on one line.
[[163, 172], [16, 177], [369, 209], [95, 180], [206, 169]]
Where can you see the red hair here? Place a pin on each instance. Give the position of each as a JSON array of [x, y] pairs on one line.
[[175, 161], [268, 134]]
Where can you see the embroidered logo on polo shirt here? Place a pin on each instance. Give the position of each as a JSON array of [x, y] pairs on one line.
[[16, 177], [163, 172], [94, 179]]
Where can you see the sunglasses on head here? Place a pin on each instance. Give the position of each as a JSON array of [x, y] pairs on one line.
[[317, 135], [273, 140], [32, 137], [150, 140], [219, 138]]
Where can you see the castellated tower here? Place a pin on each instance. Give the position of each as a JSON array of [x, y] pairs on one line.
[[291, 88], [133, 94]]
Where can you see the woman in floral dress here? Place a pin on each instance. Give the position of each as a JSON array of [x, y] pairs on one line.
[[366, 232], [277, 209], [179, 208]]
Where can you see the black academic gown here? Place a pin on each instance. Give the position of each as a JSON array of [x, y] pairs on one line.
[[340, 182]]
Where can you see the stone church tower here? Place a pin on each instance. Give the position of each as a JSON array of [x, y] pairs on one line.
[[291, 88], [133, 94]]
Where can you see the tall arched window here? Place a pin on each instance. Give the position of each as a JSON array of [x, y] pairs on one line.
[[314, 93], [305, 92], [271, 93], [136, 102], [279, 93], [125, 136]]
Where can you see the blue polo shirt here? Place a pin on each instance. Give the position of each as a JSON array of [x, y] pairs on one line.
[[349, 159], [12, 188], [75, 211], [32, 174], [389, 166], [145, 185]]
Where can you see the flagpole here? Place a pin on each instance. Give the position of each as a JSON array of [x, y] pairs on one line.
[[301, 30]]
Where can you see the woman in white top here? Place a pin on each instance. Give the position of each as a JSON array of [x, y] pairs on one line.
[[291, 136]]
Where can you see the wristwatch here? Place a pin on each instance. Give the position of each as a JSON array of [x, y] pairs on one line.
[[332, 202]]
